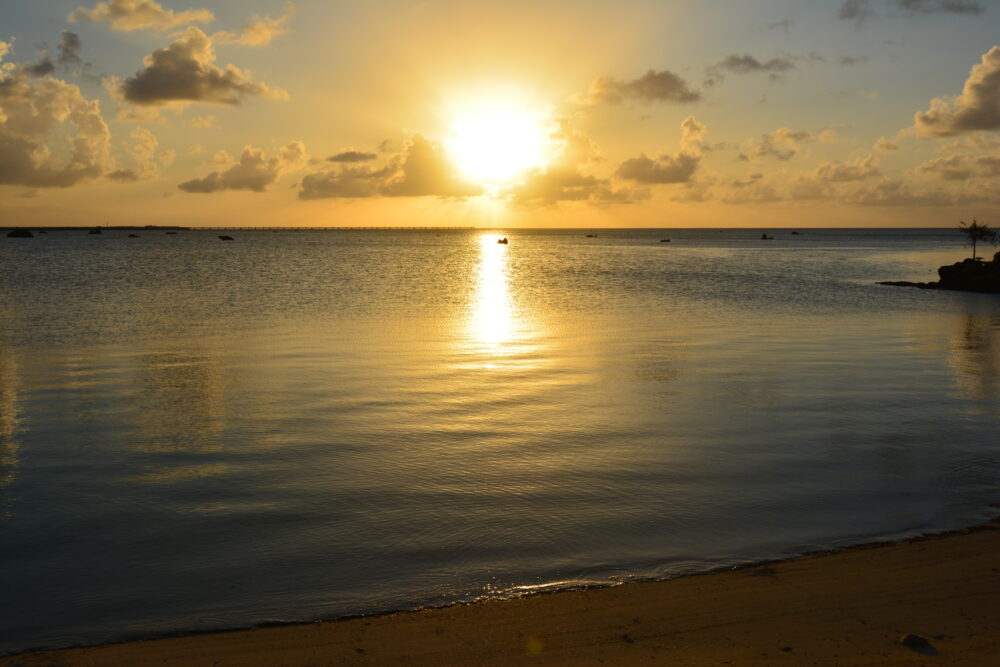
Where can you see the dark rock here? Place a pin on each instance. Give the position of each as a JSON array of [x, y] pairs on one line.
[[503, 240], [20, 234], [907, 283], [971, 275], [918, 644], [223, 237]]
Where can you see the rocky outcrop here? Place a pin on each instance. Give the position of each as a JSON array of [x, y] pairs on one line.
[[20, 234], [969, 275]]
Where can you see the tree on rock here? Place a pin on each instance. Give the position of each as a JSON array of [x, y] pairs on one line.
[[977, 232]]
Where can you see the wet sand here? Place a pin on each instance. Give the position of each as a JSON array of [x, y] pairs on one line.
[[856, 606]]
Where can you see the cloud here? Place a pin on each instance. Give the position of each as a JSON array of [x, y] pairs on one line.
[[855, 10], [425, 171], [753, 190], [259, 31], [35, 110], [563, 179], [747, 64], [940, 7], [848, 61], [352, 155], [203, 121], [143, 150], [422, 169], [651, 87], [844, 172], [977, 108], [4, 48], [69, 49], [883, 145], [184, 72], [347, 182], [784, 25], [677, 168], [128, 15], [895, 192], [781, 144], [664, 169], [254, 171], [960, 167]]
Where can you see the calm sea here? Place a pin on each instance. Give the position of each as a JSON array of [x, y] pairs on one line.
[[200, 434]]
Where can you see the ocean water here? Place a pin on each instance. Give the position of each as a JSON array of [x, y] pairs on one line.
[[311, 424]]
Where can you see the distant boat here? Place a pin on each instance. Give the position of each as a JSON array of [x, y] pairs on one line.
[[503, 240], [133, 236], [94, 231], [664, 240], [796, 233], [226, 238], [765, 237], [591, 236]]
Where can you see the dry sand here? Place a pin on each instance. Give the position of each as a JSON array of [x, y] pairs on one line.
[[842, 608]]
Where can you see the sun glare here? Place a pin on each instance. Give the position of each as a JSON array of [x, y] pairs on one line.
[[499, 145]]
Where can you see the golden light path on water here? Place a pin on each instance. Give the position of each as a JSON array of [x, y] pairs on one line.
[[494, 321]]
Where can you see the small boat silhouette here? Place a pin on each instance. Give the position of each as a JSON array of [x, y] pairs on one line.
[[664, 240], [503, 240]]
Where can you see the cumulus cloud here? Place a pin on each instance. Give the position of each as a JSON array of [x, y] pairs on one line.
[[34, 111], [781, 144], [425, 170], [895, 192], [855, 10], [859, 11], [940, 6], [147, 162], [347, 182], [747, 64], [957, 167], [883, 145], [977, 108], [69, 48], [677, 168], [203, 121], [651, 87], [254, 171], [185, 71], [844, 172], [352, 155], [564, 178], [128, 15], [422, 169], [259, 31]]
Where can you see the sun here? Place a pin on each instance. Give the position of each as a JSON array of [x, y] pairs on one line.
[[498, 145]]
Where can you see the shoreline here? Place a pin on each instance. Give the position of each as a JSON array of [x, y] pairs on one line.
[[925, 598]]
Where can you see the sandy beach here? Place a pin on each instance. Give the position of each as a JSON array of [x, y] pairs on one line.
[[930, 600]]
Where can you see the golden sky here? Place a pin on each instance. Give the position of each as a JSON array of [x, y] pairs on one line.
[[760, 113]]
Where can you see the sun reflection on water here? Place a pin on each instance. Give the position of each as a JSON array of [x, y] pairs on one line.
[[494, 316]]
